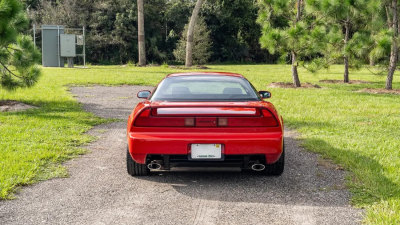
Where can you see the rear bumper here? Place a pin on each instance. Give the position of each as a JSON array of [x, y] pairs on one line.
[[141, 145]]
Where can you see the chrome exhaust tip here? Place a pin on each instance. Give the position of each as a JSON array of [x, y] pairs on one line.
[[154, 166], [257, 167]]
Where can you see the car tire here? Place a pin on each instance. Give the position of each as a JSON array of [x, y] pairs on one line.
[[134, 168], [276, 169]]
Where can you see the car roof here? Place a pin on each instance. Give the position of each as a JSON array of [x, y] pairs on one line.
[[204, 74]]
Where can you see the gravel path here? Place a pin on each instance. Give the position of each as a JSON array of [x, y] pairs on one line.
[[99, 190]]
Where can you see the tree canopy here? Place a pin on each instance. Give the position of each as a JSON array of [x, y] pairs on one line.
[[290, 29], [18, 55]]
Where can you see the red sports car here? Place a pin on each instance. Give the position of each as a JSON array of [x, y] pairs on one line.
[[206, 119]]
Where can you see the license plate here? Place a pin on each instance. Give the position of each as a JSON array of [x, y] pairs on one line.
[[206, 151]]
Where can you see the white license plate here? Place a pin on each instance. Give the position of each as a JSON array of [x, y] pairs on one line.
[[206, 151]]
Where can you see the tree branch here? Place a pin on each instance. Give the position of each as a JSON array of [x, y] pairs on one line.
[[379, 73], [311, 25], [15, 49], [328, 63], [5, 67]]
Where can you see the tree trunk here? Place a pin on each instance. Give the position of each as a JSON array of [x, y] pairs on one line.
[[298, 14], [371, 62], [141, 40], [394, 49], [295, 75], [388, 17], [345, 57], [189, 43]]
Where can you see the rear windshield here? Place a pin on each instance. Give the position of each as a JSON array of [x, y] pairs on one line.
[[205, 88]]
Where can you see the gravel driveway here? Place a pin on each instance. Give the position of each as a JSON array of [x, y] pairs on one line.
[[99, 190]]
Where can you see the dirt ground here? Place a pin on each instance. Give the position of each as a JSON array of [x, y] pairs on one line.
[[99, 190], [12, 106], [380, 91], [290, 85], [342, 82]]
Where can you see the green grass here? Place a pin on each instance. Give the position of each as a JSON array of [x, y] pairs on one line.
[[359, 131]]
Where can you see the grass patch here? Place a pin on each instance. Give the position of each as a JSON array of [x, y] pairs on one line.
[[359, 131]]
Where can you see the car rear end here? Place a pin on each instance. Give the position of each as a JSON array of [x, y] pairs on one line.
[[245, 134], [206, 136]]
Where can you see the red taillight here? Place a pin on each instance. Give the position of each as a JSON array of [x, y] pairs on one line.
[[146, 120], [145, 112], [269, 118], [149, 118], [266, 120]]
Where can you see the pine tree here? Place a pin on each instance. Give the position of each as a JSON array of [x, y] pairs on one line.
[[201, 44], [394, 52], [348, 22], [288, 29], [385, 37], [18, 55]]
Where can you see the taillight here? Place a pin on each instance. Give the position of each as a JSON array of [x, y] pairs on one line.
[[269, 118], [266, 120], [146, 120]]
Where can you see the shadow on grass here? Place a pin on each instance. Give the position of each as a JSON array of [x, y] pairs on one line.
[[60, 110], [352, 87], [367, 182]]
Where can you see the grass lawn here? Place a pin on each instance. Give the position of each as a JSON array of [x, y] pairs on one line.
[[359, 131]]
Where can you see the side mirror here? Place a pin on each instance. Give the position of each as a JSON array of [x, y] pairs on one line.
[[143, 94], [265, 94]]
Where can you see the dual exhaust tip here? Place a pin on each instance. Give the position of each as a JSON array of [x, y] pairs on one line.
[[255, 166], [258, 167], [154, 166]]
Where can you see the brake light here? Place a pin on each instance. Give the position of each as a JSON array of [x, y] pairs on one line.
[[146, 120], [269, 118], [145, 112], [266, 120]]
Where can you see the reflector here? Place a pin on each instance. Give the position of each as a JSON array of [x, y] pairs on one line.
[[222, 122], [189, 122]]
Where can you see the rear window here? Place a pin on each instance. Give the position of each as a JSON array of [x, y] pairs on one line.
[[205, 88]]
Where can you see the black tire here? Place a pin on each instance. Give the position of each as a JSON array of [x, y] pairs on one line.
[[134, 168], [276, 169]]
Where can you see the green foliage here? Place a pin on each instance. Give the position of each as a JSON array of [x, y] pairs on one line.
[[355, 16], [164, 65], [234, 30], [304, 36], [201, 43], [381, 43], [18, 55]]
